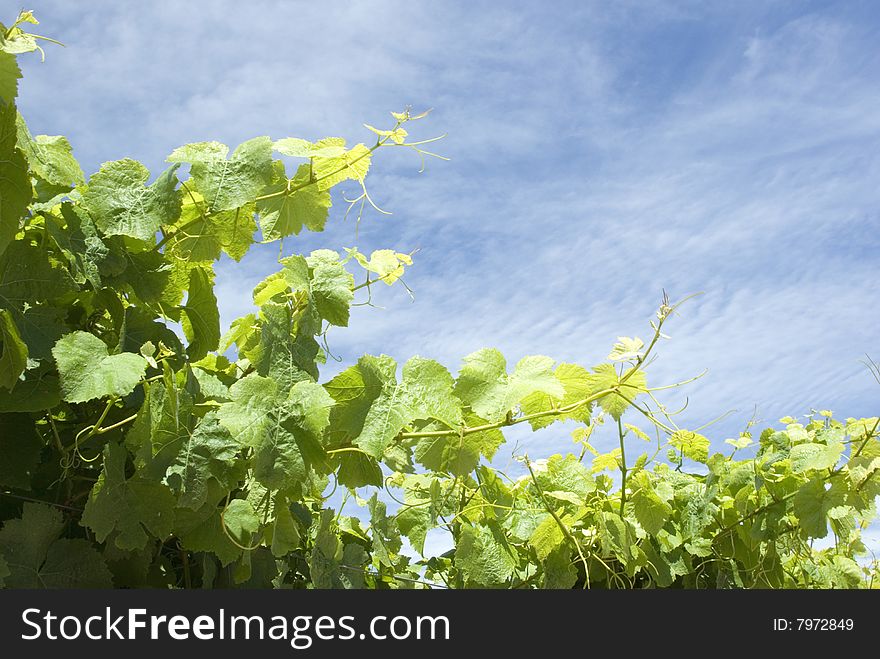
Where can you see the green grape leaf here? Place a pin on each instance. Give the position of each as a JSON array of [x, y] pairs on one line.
[[163, 426], [251, 400], [606, 461], [327, 553], [459, 454], [546, 538], [202, 529], [386, 263], [70, 563], [812, 503], [40, 326], [533, 374], [291, 445], [201, 317], [122, 205], [618, 537], [228, 184], [29, 275], [627, 348], [692, 445], [241, 520], [483, 556], [356, 469], [201, 152], [350, 164], [808, 456], [576, 384], [284, 430], [484, 385], [429, 389], [36, 558], [331, 286], [354, 391], [604, 376], [20, 449], [385, 534], [564, 474], [271, 286], [207, 453], [132, 507], [426, 392], [15, 184], [211, 387], [25, 542], [9, 76], [50, 157], [651, 511], [38, 391], [284, 533], [151, 277], [843, 572], [13, 351], [294, 147], [286, 351], [87, 371], [287, 207], [78, 239], [201, 236], [559, 572], [414, 522], [386, 418], [138, 328], [658, 566]]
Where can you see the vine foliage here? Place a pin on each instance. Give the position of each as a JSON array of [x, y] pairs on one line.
[[140, 446]]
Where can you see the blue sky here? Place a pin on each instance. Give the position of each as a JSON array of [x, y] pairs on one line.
[[599, 152]]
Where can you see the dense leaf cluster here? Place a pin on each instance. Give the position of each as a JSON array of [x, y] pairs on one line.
[[133, 454]]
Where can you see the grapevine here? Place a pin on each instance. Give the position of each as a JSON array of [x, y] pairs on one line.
[[133, 454]]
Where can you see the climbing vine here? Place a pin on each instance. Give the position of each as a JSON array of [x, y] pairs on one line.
[[142, 446]]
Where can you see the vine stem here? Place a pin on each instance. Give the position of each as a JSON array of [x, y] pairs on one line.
[[347, 449], [509, 421]]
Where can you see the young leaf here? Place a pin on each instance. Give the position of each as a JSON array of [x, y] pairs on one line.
[[604, 377], [351, 164], [693, 445]]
